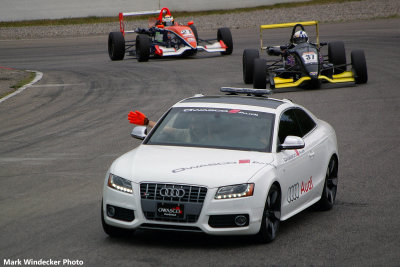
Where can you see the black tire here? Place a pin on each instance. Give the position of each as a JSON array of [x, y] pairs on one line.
[[249, 55], [328, 196], [225, 35], [337, 56], [194, 30], [260, 73], [271, 216], [112, 230], [359, 66], [142, 47], [116, 46]]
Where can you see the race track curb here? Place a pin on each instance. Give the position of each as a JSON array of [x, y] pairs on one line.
[[37, 78]]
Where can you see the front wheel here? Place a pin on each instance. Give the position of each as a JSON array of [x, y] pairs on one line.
[[142, 47], [224, 35], [116, 46], [337, 56], [260, 74], [271, 216], [330, 186], [359, 66], [249, 55]]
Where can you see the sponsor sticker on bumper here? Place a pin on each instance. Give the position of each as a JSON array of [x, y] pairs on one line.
[[168, 210]]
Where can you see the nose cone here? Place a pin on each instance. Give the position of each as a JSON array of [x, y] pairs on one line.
[[314, 75]]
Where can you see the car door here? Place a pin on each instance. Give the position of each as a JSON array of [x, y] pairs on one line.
[[314, 138], [293, 167]]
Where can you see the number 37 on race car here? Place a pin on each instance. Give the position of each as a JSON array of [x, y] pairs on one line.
[[164, 37]]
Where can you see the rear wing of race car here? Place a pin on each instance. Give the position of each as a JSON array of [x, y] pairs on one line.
[[287, 25], [140, 13]]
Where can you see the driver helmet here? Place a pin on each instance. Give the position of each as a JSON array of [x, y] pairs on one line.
[[300, 37], [168, 20]]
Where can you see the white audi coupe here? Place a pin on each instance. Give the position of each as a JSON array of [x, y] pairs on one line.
[[223, 165]]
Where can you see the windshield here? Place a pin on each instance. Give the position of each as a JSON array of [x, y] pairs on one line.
[[215, 128]]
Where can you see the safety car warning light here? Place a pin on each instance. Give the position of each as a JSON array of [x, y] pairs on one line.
[[248, 91]]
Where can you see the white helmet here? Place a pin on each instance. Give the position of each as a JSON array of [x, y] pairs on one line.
[[300, 37], [168, 20]]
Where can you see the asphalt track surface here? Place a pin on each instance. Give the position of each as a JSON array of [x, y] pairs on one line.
[[58, 138]]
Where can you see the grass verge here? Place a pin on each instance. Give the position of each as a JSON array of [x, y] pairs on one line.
[[29, 77]]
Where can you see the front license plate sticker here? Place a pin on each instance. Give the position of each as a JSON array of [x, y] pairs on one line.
[[170, 210]]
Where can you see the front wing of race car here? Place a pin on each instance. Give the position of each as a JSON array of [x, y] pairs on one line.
[[171, 51], [344, 77]]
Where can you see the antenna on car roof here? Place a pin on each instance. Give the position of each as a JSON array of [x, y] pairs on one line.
[[247, 91]]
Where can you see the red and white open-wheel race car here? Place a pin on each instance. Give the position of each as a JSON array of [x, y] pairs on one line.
[[164, 37]]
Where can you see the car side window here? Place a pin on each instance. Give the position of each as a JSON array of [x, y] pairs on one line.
[[305, 121], [288, 126]]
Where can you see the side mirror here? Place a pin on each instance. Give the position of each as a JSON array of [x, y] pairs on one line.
[[139, 132], [292, 142]]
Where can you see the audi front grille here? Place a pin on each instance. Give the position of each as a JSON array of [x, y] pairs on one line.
[[189, 197], [194, 194]]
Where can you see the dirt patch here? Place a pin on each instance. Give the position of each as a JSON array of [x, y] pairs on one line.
[[9, 78]]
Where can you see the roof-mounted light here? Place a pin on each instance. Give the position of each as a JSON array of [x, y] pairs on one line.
[[247, 91]]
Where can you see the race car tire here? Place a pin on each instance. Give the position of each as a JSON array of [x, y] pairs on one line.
[[249, 55], [260, 73], [142, 47], [328, 196], [225, 35], [359, 66], [113, 231], [194, 30], [271, 216], [116, 46], [337, 56]]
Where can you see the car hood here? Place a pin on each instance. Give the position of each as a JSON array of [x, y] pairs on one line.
[[189, 165]]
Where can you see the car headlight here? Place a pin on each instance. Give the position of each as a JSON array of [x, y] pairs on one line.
[[235, 191], [120, 183]]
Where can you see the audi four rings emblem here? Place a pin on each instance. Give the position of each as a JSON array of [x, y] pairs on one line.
[[172, 192], [293, 193]]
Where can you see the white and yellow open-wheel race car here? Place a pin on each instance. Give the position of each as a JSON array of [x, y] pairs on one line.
[[301, 62]]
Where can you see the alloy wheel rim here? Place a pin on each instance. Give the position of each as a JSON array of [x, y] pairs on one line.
[[331, 182], [272, 213]]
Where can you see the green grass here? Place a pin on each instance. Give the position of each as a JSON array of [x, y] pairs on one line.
[[28, 78], [93, 20]]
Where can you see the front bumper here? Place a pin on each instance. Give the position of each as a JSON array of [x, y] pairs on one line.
[[249, 207]]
